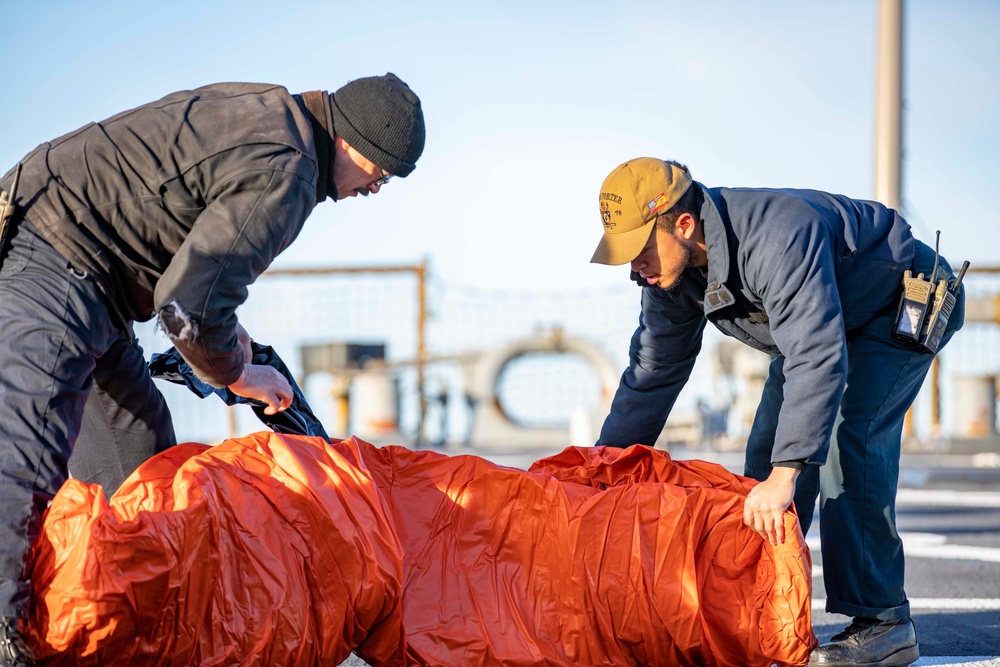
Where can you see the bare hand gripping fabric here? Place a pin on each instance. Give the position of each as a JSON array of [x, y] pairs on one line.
[[288, 550]]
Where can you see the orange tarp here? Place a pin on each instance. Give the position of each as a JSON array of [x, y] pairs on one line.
[[289, 550]]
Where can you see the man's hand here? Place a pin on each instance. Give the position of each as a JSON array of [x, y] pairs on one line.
[[265, 384], [766, 503]]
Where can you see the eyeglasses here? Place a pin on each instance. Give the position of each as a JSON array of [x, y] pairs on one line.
[[382, 179]]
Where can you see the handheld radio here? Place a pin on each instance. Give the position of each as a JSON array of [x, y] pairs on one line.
[[926, 305], [937, 319]]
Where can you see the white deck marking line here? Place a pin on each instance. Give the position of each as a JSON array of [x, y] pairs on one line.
[[931, 545], [951, 604], [947, 498], [957, 661], [927, 545]]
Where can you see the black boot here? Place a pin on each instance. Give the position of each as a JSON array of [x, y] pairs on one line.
[[870, 643], [13, 651]]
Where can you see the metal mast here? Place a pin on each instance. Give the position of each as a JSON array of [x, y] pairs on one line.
[[889, 103]]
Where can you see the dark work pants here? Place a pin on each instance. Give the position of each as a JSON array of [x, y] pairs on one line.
[[71, 382], [863, 563]]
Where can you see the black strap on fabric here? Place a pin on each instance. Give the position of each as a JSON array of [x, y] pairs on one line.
[[297, 419], [316, 104]]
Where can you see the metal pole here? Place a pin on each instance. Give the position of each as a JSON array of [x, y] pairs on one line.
[[421, 346], [935, 398], [888, 118], [888, 103]]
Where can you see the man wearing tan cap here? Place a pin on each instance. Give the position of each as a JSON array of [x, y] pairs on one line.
[[814, 280]]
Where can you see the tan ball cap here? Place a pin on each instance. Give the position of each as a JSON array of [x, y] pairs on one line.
[[631, 197]]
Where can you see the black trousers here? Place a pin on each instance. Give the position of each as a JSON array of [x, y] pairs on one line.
[[75, 397]]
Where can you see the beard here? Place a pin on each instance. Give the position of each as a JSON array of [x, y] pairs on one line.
[[685, 264]]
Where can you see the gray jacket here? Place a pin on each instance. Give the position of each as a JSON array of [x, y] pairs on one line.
[[790, 272], [175, 207]]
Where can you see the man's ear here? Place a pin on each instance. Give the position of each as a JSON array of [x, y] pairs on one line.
[[686, 225]]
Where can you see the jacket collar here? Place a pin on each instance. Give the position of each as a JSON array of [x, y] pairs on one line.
[[717, 295], [317, 103]]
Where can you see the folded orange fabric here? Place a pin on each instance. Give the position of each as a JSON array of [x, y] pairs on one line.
[[289, 550]]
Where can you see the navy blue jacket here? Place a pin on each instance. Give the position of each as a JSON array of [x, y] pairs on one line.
[[790, 272]]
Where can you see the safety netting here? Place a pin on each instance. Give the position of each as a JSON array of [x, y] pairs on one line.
[[279, 549]]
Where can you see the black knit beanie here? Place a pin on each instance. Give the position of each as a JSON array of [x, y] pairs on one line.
[[381, 118]]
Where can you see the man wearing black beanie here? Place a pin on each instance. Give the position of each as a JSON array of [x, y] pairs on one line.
[[380, 116], [169, 210]]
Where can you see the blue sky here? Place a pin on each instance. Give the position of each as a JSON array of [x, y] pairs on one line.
[[530, 104]]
